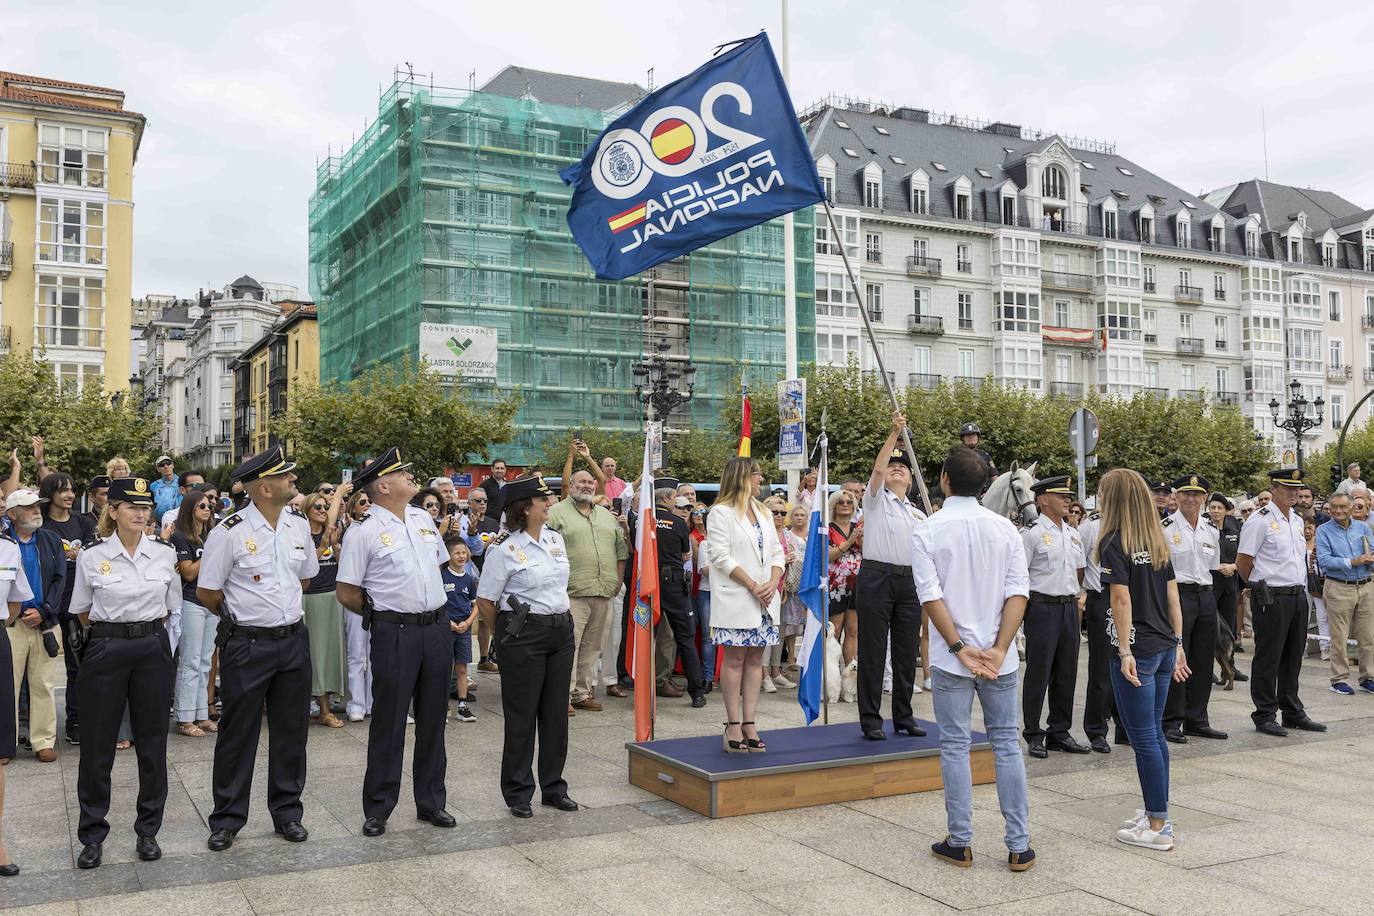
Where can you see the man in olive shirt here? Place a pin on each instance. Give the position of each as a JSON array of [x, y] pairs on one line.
[[597, 552]]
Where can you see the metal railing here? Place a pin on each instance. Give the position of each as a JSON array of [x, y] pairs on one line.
[[973, 381], [925, 324], [1188, 294], [917, 266], [1156, 392], [1189, 394], [1227, 397], [1367, 321], [1152, 338], [1191, 346], [927, 380], [1369, 375], [965, 267], [6, 259], [1219, 344], [1149, 286], [1060, 280], [1339, 373], [6, 336], [871, 375], [1066, 389], [17, 175]]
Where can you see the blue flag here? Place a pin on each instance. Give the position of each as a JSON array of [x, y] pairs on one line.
[[702, 158], [814, 592]]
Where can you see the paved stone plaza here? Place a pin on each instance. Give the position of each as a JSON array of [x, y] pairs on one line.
[[1265, 826]]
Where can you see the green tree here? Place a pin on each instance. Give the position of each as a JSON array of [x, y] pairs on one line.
[[1359, 446], [338, 424], [81, 430]]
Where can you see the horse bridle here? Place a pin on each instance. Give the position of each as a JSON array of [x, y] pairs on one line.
[[1020, 507]]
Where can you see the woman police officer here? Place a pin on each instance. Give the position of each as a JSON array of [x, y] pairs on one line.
[[126, 585], [530, 566]]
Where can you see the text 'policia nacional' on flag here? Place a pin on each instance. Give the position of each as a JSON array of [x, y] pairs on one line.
[[704, 157]]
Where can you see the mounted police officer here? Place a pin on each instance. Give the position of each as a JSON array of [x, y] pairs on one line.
[[1195, 550], [253, 569], [972, 437], [389, 573]]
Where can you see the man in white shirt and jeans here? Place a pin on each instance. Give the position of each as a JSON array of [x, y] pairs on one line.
[[970, 569]]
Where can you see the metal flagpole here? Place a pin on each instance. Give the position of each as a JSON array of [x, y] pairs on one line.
[[789, 266], [838, 241], [825, 566]]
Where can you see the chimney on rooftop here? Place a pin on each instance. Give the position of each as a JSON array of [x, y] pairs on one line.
[[919, 115], [1003, 129]]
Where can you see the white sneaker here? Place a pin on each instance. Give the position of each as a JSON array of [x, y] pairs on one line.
[[355, 717], [1326, 655], [915, 689], [780, 680], [1142, 835], [314, 708], [410, 720], [1131, 823], [769, 686], [926, 683]]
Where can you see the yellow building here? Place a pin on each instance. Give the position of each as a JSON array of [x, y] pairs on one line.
[[67, 154], [267, 374]]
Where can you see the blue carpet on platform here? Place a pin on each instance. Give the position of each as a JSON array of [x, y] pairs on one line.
[[801, 746]]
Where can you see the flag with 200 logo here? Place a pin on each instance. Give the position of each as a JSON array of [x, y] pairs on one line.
[[702, 158]]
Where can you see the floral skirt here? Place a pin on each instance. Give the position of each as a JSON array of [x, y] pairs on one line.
[[766, 634]]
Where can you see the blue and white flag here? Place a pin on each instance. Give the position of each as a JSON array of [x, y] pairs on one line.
[[704, 157], [815, 594]]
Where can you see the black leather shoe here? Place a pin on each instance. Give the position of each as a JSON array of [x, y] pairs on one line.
[[699, 701], [148, 850], [875, 734], [1067, 744], [1175, 736], [1270, 727], [293, 832], [1100, 745], [440, 818], [9, 871], [522, 809], [1241, 677], [1204, 731], [374, 826], [1121, 738], [562, 803], [90, 856], [1037, 748], [908, 728], [73, 734], [1305, 724], [220, 840]]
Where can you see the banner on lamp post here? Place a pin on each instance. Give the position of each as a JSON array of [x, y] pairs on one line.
[[792, 424]]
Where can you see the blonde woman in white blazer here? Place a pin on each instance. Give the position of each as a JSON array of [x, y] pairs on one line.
[[746, 565]]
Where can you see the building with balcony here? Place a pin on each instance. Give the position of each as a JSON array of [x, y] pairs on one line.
[[1078, 268], [161, 372], [67, 153], [267, 374]]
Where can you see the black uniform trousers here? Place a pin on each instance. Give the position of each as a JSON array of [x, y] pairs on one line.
[[1280, 641], [536, 669], [116, 671], [1187, 703], [1099, 702], [70, 624], [411, 663], [676, 605], [1052, 636], [885, 598], [254, 670], [1226, 590]]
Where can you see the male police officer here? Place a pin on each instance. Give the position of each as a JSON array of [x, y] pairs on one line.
[[389, 573], [1054, 556], [972, 436], [675, 548], [1195, 550], [254, 567], [1272, 558]]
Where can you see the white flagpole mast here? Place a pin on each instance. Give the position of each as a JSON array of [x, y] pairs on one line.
[[789, 267], [838, 240]]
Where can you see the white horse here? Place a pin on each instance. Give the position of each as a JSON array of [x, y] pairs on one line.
[[1010, 494]]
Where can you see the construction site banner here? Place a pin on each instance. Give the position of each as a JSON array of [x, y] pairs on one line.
[[459, 350]]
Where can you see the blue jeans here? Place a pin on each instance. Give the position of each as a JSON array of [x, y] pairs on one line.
[[1141, 710], [1001, 719], [198, 628], [701, 602]]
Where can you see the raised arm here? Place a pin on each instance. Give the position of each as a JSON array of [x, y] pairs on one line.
[[878, 479]]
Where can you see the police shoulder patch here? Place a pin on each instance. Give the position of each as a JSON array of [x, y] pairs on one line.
[[296, 512], [499, 539], [1168, 520], [167, 544], [1265, 510], [1096, 516], [232, 520]]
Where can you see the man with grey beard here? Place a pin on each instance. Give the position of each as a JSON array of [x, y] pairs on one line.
[[597, 552]]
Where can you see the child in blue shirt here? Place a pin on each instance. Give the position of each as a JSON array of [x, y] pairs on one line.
[[460, 590]]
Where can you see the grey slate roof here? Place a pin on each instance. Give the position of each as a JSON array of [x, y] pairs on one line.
[[562, 89], [245, 281], [1278, 206], [963, 151]]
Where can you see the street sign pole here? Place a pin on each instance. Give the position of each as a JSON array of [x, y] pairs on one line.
[[1083, 436]]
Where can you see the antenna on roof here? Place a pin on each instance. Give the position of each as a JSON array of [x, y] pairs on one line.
[[651, 79], [410, 71], [1264, 133], [472, 80]]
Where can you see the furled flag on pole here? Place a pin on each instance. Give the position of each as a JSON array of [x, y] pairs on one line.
[[746, 427], [814, 592], [706, 156], [639, 645]]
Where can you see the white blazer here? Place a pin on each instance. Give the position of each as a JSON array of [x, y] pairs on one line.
[[732, 542]]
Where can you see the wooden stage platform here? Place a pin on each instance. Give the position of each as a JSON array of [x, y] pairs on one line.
[[804, 766]]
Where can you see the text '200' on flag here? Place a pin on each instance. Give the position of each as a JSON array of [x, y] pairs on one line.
[[707, 156]]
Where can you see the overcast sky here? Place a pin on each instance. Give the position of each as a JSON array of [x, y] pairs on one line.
[[242, 99]]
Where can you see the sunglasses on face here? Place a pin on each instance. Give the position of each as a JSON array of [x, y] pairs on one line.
[[698, 512], [431, 505], [780, 513], [320, 507], [327, 490]]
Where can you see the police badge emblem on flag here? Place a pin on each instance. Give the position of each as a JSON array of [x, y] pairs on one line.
[[709, 155]]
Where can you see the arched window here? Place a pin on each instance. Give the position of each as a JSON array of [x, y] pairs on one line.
[[1054, 183]]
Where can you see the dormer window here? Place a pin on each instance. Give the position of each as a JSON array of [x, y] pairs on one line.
[[1218, 237], [1054, 183], [873, 186], [1008, 210], [828, 186], [962, 205], [1328, 255], [920, 192], [1295, 250], [1147, 229], [1185, 230], [1108, 223], [1252, 243]]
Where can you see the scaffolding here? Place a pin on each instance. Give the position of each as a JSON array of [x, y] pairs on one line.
[[449, 209]]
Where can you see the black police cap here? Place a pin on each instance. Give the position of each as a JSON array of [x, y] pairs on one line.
[[99, 482], [526, 488], [1058, 485], [389, 463], [1192, 483], [264, 464], [1288, 477], [131, 490], [899, 456]]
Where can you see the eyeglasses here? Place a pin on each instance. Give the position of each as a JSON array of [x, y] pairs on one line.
[[780, 513], [327, 490], [698, 512], [320, 507], [431, 505]]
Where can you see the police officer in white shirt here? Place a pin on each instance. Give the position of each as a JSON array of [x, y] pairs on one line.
[[1195, 550], [14, 591], [1098, 703], [253, 569], [1054, 556], [389, 573], [1273, 559], [885, 595], [523, 594], [126, 586]]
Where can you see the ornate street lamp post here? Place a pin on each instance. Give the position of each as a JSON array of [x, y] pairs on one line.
[[1298, 420], [659, 380]]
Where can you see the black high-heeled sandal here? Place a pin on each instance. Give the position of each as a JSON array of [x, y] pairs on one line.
[[732, 747], [755, 745]]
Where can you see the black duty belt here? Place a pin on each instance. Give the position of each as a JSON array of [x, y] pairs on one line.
[[1193, 587], [886, 567], [282, 632], [1288, 589], [415, 620], [1363, 581], [138, 630], [562, 618], [1053, 599]]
